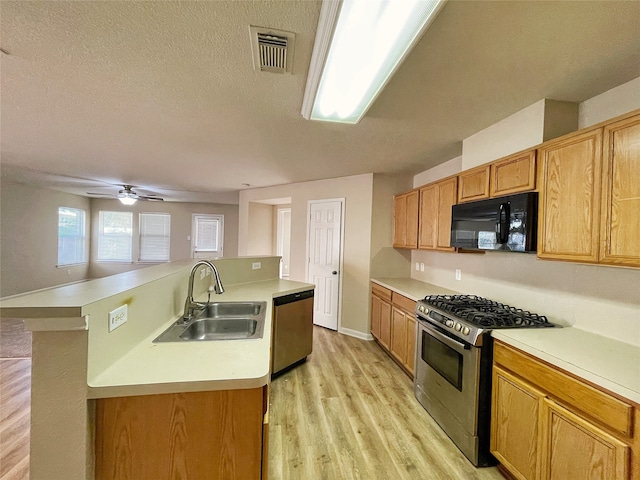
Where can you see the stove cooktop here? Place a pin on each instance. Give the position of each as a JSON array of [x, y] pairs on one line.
[[468, 316]]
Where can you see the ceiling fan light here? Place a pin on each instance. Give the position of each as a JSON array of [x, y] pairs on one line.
[[358, 47], [127, 200]]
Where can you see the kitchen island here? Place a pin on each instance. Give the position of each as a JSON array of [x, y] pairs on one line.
[[76, 360]]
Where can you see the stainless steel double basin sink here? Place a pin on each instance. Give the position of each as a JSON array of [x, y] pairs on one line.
[[219, 321]]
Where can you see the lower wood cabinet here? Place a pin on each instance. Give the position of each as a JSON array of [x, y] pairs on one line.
[[548, 425], [196, 435], [393, 325]]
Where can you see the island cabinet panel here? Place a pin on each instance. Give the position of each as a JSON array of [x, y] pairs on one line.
[[515, 424], [473, 184], [577, 449], [569, 197], [195, 435], [405, 220], [575, 431], [621, 193], [514, 174]]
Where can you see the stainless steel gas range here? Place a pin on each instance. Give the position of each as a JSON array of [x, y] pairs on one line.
[[453, 364]]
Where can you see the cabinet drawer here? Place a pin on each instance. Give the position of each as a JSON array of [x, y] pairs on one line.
[[403, 302], [381, 292], [600, 406]]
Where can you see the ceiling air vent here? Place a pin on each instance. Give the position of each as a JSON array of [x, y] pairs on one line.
[[272, 49]]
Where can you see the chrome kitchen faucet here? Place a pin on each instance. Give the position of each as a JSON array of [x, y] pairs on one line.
[[190, 305]]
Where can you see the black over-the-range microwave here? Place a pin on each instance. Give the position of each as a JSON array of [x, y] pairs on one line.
[[504, 223]]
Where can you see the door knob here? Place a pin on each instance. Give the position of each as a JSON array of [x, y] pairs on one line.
[[334, 272]]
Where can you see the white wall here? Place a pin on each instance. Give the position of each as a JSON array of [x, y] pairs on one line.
[[614, 102], [544, 120], [597, 298], [181, 221], [357, 191], [29, 239], [260, 239]]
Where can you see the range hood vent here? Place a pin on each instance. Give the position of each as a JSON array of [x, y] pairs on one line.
[[272, 49]]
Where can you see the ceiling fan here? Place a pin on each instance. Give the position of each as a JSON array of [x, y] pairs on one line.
[[128, 196]]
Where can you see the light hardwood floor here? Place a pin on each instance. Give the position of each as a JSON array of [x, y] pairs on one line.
[[350, 413], [15, 401]]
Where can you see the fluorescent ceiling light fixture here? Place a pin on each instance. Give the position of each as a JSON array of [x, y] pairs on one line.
[[127, 200], [359, 45]]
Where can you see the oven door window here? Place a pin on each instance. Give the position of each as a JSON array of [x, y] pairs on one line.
[[443, 359]]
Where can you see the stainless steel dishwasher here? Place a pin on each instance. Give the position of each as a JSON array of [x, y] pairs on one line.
[[292, 330]]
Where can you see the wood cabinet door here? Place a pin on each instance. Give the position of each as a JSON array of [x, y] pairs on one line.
[[375, 316], [411, 330], [447, 195], [515, 426], [399, 221], [473, 184], [385, 324], [574, 449], [569, 198], [428, 217], [195, 435], [620, 233], [412, 203], [513, 174], [398, 335]]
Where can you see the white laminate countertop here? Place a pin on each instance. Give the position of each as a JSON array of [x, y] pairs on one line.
[[152, 368], [608, 363], [413, 289]]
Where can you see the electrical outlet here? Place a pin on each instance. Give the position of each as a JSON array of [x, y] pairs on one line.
[[417, 266], [422, 267], [117, 317], [256, 265], [458, 274]]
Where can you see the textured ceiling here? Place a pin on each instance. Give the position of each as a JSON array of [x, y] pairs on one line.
[[163, 95]]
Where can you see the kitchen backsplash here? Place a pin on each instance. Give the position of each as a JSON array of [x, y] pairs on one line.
[[604, 300]]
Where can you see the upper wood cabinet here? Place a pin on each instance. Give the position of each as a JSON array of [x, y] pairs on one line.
[[405, 220], [620, 232], [509, 175], [569, 175], [436, 200], [473, 184], [513, 174]]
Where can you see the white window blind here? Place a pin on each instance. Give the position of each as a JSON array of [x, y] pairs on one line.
[[115, 236], [208, 235], [155, 236], [71, 236]]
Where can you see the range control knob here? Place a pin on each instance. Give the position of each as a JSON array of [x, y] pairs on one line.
[[458, 327], [465, 331], [449, 323]]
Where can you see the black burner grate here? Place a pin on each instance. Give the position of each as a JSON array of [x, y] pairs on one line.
[[486, 313]]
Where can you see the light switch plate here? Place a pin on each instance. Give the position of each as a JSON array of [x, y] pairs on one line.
[[256, 265], [417, 266], [117, 317], [458, 274]]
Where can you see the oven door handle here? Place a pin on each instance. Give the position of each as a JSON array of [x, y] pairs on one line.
[[450, 342]]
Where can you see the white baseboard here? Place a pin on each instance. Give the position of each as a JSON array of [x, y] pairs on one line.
[[355, 333]]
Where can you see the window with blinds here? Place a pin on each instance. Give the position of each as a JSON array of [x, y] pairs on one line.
[[207, 235], [115, 232], [155, 237], [71, 236]]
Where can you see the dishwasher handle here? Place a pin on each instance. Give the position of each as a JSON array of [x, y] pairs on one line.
[[293, 297]]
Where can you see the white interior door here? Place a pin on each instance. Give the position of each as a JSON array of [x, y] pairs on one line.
[[325, 247]]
